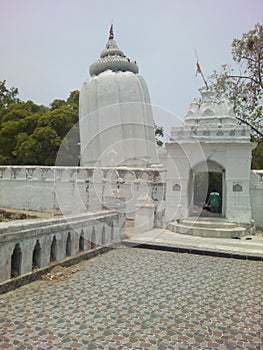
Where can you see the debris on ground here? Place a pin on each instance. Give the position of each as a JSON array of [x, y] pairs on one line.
[[60, 273], [8, 214]]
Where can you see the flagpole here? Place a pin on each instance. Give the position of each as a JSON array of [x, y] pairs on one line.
[[199, 70]]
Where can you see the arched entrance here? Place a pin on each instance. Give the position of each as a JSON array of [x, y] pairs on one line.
[[53, 250], [207, 177], [36, 263], [16, 261], [93, 239], [68, 245], [81, 241]]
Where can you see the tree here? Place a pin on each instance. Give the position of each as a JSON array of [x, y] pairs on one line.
[[40, 148], [257, 154], [7, 96], [158, 130], [32, 134], [16, 118], [60, 119], [243, 84], [57, 104], [73, 100]]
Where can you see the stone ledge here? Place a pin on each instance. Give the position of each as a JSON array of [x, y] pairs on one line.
[[26, 225], [20, 281], [211, 232], [193, 250]]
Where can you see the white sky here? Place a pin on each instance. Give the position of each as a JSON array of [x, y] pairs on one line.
[[48, 45]]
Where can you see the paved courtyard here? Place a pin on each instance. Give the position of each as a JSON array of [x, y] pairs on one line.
[[131, 298]]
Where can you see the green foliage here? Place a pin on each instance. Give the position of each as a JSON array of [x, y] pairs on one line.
[[158, 134], [40, 148], [257, 154], [243, 84], [7, 96], [61, 120], [57, 104], [31, 134], [73, 100]]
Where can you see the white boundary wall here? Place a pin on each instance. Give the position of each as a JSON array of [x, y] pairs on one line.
[[72, 190], [256, 196]]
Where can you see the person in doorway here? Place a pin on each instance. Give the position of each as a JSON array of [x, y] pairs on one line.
[[214, 201]]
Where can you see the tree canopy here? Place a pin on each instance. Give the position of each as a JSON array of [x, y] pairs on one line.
[[242, 84], [31, 134], [7, 96]]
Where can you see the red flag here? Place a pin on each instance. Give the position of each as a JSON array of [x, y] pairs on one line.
[[198, 68]]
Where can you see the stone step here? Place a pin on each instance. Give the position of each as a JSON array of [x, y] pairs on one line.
[[211, 232], [218, 223]]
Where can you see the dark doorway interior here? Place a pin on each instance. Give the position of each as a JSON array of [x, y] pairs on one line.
[[81, 241], [68, 245], [36, 256], [16, 261], [204, 183], [53, 250], [93, 239]]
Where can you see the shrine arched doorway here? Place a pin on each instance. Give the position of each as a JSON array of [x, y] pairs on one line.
[[207, 177]]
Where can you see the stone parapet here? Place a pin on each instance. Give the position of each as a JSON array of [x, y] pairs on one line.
[[29, 245], [74, 190]]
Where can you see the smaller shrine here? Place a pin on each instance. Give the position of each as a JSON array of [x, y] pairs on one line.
[[210, 145]]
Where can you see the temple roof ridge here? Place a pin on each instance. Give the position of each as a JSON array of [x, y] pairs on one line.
[[210, 105], [211, 118]]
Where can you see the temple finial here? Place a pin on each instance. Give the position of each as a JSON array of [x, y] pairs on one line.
[[111, 36]]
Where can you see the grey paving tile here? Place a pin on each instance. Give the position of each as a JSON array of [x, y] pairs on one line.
[[139, 299]]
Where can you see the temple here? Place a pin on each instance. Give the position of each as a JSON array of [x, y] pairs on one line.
[[210, 142], [115, 118], [120, 176]]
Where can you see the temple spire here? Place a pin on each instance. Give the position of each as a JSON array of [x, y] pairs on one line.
[[111, 36], [112, 58]]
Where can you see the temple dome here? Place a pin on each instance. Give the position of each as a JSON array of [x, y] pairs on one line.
[[115, 114]]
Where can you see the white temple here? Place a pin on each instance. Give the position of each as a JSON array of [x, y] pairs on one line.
[[118, 178], [119, 157], [117, 129], [210, 140], [115, 118]]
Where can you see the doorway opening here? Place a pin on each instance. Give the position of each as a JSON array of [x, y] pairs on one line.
[[53, 250], [93, 239], [81, 241], [204, 184], [69, 245], [36, 263], [16, 261]]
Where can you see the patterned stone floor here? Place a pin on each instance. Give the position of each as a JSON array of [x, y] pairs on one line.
[[132, 298]]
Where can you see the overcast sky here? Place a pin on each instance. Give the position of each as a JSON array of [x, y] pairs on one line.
[[48, 45]]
